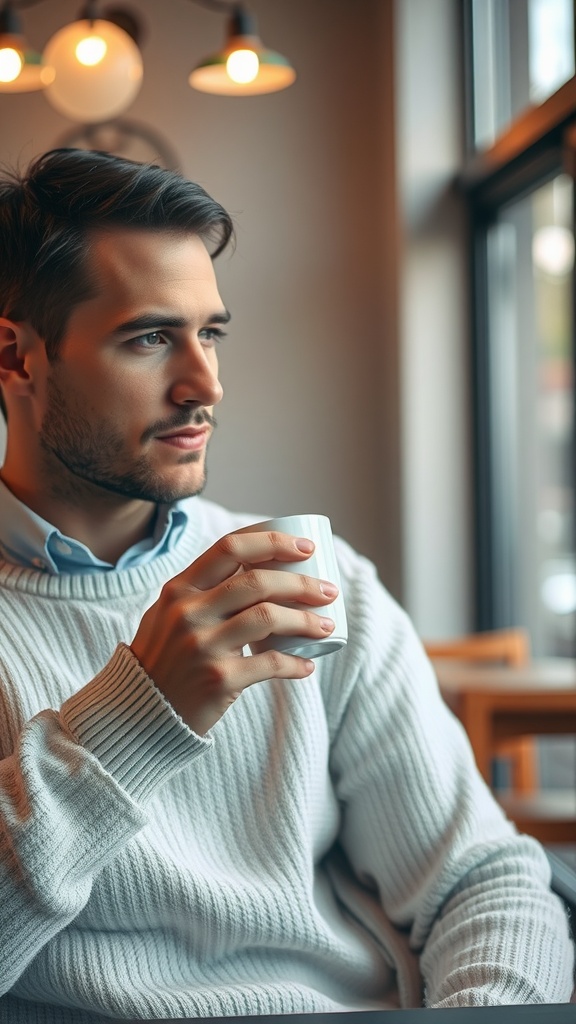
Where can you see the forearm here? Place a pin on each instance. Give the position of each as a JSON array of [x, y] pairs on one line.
[[502, 936], [72, 794], [420, 825]]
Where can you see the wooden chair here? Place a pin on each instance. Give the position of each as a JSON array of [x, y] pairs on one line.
[[505, 647], [504, 710]]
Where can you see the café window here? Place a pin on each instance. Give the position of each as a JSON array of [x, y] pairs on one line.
[[519, 183], [522, 52]]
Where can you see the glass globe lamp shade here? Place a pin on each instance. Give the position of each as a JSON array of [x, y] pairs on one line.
[[97, 71]]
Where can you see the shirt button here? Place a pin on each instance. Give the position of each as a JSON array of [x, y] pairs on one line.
[[62, 547]]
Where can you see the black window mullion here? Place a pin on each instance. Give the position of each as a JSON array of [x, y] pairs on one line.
[[482, 433]]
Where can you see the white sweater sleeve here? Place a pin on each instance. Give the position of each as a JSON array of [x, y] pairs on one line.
[[73, 793], [422, 831]]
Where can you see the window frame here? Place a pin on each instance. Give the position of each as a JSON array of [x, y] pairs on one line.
[[533, 148]]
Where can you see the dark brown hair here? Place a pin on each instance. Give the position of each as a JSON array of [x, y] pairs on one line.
[[47, 214]]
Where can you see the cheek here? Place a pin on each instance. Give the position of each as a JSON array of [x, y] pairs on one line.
[[122, 392]]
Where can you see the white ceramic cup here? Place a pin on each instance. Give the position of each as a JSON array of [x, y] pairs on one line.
[[322, 565]]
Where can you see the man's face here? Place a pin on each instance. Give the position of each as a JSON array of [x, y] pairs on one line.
[[128, 402]]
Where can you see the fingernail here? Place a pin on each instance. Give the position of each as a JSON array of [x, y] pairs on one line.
[[328, 588], [327, 624], [304, 545]]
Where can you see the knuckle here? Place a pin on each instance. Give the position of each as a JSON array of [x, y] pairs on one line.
[[308, 586], [265, 614], [216, 676], [249, 582], [312, 622], [177, 596], [228, 545], [186, 628], [171, 591], [276, 662], [230, 585], [275, 542], [186, 614], [255, 579]]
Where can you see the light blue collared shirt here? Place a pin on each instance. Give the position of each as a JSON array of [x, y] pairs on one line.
[[28, 540]]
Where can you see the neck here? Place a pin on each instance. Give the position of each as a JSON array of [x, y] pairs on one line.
[[108, 524]]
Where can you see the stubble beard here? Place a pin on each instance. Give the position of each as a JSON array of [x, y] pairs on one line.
[[95, 455]]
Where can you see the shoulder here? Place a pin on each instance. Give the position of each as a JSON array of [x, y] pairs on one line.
[[383, 664], [369, 604]]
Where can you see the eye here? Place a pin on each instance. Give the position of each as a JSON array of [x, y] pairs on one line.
[[152, 340], [211, 335]]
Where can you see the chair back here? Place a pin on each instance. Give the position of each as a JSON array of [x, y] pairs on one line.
[[502, 646]]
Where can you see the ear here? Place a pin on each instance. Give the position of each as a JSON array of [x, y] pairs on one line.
[[17, 342]]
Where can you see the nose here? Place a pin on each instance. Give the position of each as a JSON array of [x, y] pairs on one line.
[[197, 379]]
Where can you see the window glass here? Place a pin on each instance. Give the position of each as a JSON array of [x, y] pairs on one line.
[[531, 256], [523, 51], [551, 46]]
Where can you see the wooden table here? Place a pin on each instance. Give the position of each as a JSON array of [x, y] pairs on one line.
[[495, 703]]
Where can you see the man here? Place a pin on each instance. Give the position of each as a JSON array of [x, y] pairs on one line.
[[188, 828]]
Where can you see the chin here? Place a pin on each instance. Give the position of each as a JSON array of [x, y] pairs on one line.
[[188, 488], [159, 489]]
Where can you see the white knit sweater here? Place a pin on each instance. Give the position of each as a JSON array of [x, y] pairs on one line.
[[328, 845]]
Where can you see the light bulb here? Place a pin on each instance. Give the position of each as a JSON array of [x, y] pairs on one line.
[[10, 64], [242, 66], [91, 51]]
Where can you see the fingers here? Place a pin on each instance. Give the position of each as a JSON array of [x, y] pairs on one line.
[[237, 673], [256, 586], [234, 595], [235, 550], [231, 677], [267, 619]]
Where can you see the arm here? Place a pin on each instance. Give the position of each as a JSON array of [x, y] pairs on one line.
[[74, 789], [421, 829], [72, 794]]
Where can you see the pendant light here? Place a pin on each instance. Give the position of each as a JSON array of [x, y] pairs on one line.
[[97, 68], [243, 67], [21, 69]]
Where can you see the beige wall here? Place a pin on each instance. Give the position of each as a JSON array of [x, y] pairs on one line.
[[324, 344], [434, 340]]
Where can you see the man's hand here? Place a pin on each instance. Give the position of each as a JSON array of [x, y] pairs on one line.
[[190, 642]]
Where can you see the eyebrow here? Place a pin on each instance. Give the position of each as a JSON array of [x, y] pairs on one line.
[[153, 321]]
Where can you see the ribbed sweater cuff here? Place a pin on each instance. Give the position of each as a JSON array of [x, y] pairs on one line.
[[123, 719]]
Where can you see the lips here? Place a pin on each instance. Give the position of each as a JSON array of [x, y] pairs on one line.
[[189, 439]]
